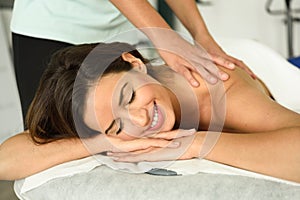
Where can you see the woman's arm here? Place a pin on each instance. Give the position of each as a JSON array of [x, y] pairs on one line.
[[21, 157], [273, 153]]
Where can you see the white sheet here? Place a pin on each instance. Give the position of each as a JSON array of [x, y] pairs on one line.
[[183, 167], [283, 80]]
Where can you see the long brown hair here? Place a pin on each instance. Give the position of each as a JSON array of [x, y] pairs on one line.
[[56, 111]]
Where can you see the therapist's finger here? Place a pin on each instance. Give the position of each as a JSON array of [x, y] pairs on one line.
[[208, 71], [242, 65], [216, 71], [184, 68], [187, 74], [222, 61]]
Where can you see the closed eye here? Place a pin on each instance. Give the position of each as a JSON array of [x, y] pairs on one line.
[[116, 124], [132, 97]]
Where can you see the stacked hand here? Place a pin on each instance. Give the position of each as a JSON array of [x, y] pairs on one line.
[[171, 145]]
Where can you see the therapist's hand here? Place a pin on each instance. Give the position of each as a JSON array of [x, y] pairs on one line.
[[219, 57], [184, 66], [183, 56]]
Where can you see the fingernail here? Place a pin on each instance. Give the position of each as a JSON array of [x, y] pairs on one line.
[[114, 158], [174, 144], [231, 65], [195, 83], [192, 130], [212, 79], [109, 153], [224, 76]]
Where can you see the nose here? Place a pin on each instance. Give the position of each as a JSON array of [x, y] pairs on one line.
[[139, 116]]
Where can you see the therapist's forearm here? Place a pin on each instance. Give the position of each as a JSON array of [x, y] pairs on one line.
[[189, 15], [20, 157], [142, 15]]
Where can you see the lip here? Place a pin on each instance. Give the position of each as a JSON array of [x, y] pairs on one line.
[[160, 118]]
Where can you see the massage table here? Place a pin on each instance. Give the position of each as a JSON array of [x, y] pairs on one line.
[[189, 179]]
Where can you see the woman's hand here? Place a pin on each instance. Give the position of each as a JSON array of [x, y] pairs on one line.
[[105, 143], [190, 147]]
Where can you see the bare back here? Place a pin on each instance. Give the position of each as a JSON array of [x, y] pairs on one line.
[[249, 107]]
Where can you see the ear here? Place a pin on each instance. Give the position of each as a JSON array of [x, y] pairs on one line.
[[135, 62]]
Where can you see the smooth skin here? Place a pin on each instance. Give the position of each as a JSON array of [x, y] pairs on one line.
[[259, 135], [167, 41]]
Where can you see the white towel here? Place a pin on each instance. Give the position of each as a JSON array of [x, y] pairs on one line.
[[183, 167]]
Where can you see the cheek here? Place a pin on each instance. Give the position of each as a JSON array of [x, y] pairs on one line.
[[148, 93]]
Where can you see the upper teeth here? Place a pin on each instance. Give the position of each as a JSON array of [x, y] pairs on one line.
[[155, 118]]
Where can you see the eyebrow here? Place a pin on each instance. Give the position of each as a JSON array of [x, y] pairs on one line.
[[121, 93]]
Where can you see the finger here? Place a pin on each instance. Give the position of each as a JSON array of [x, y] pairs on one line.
[[174, 134], [160, 154], [143, 143], [206, 74], [133, 153], [190, 78], [130, 159], [223, 61], [214, 70], [224, 76], [242, 65], [184, 70], [155, 143], [150, 156]]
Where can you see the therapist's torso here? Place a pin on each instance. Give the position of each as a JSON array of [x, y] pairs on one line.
[[71, 21]]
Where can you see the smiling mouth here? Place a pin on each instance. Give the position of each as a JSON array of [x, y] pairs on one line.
[[157, 119]]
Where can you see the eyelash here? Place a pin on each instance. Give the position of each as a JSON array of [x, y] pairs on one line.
[[132, 97], [130, 101], [118, 131]]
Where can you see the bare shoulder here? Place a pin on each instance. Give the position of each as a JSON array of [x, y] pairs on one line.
[[249, 106]]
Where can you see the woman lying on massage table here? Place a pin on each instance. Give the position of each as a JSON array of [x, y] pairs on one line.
[[136, 117]]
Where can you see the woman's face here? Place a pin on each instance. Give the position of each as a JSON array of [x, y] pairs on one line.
[[130, 105]]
